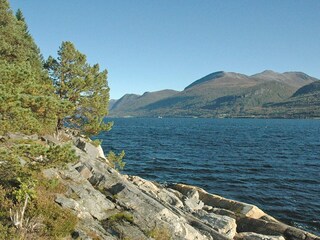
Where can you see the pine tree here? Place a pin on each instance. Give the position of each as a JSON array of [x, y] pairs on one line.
[[27, 100], [82, 85]]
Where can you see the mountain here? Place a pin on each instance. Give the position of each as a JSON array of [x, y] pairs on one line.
[[132, 104], [304, 103], [112, 102], [219, 94]]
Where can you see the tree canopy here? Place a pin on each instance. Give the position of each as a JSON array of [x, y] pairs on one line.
[[41, 97], [83, 86], [27, 100]]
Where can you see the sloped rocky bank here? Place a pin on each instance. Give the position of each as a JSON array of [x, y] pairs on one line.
[[110, 205]]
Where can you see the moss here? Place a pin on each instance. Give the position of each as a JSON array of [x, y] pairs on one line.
[[160, 233], [121, 216]]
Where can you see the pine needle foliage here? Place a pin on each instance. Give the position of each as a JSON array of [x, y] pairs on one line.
[[27, 100], [83, 86]]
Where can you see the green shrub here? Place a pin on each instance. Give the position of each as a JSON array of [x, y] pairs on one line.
[[19, 181], [116, 161], [96, 142], [59, 155]]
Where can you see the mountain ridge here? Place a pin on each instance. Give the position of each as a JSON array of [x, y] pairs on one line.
[[226, 94]]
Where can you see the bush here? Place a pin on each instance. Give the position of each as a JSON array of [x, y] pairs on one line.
[[116, 160], [59, 155], [20, 176]]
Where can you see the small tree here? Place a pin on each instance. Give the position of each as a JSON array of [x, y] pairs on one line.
[[83, 86], [116, 160]]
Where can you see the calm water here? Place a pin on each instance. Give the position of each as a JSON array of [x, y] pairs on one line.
[[274, 164]]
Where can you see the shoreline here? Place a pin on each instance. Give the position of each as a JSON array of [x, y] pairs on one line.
[[182, 211]]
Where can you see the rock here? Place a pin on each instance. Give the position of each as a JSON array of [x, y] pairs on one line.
[[3, 138], [293, 233], [90, 229], [89, 148], [50, 140], [93, 201], [222, 224], [192, 201], [181, 229], [22, 161], [224, 212], [80, 143], [50, 173], [84, 171], [147, 210], [101, 153], [246, 210], [17, 136], [159, 192], [255, 236], [207, 208], [273, 228], [88, 198], [260, 226]]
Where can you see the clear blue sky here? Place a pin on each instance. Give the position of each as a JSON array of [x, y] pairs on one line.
[[149, 45]]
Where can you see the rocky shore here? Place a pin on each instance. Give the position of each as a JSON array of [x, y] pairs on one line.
[[110, 205]]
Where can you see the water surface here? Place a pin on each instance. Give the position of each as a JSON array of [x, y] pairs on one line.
[[274, 164]]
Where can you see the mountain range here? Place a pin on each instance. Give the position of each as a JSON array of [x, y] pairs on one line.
[[229, 94]]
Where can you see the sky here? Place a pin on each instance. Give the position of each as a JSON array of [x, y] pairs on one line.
[[150, 45]]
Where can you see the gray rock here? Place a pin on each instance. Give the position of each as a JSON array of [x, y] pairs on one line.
[[224, 212], [80, 143], [192, 201], [89, 148], [84, 172], [3, 138], [22, 161], [222, 224], [158, 192], [207, 208], [50, 173], [242, 209], [22, 136], [50, 140], [255, 236]]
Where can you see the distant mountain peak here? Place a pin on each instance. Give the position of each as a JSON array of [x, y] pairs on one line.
[[269, 71], [207, 78], [266, 73]]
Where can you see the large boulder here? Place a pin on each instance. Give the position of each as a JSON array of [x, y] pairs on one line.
[[222, 224], [87, 146], [240, 208], [192, 201], [156, 191]]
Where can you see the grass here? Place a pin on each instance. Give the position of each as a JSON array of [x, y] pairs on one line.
[[160, 233], [121, 216]]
